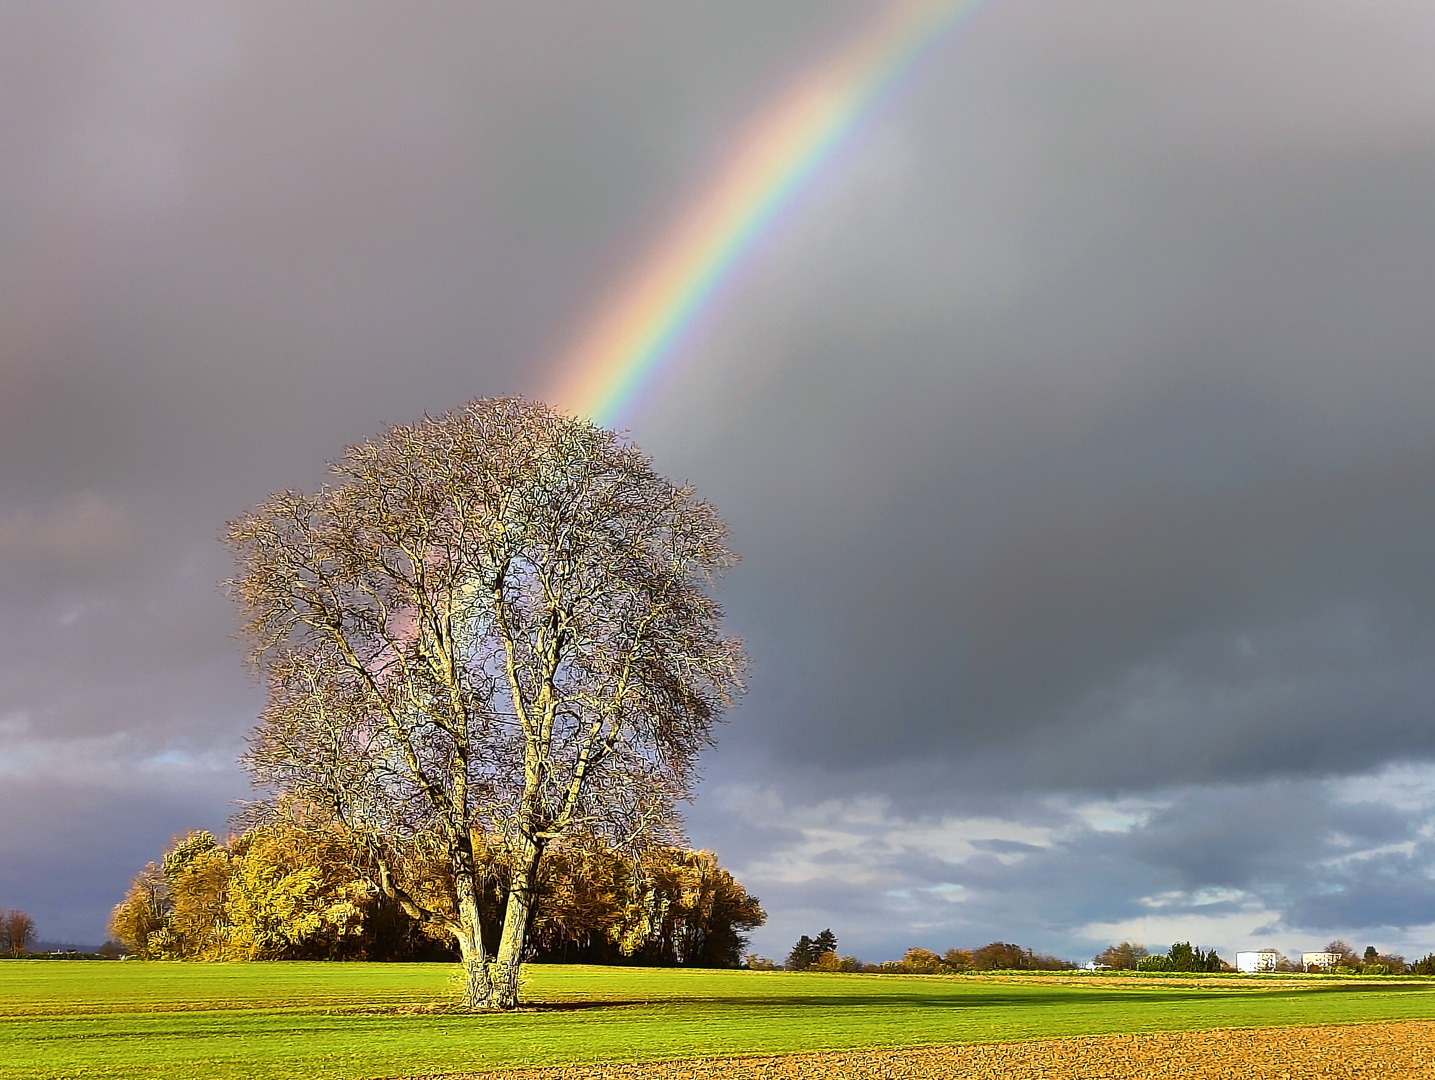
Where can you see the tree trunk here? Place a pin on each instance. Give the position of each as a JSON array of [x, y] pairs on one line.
[[517, 916], [477, 987]]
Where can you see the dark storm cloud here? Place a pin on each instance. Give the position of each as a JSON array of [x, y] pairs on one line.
[[234, 238], [1132, 441], [1077, 428]]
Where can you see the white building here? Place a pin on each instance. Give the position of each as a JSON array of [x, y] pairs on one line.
[[1321, 961], [1260, 960]]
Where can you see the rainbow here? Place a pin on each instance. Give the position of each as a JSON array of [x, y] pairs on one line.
[[638, 332]]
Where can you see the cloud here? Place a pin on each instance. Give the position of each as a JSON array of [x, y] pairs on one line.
[[1077, 426], [1224, 867]]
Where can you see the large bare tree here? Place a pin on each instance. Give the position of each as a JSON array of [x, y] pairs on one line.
[[495, 623]]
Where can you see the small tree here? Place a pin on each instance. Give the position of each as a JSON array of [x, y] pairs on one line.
[[17, 932], [1122, 957], [497, 622], [1349, 958], [918, 961], [827, 960], [825, 941]]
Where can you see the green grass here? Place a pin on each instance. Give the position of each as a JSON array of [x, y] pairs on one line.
[[173, 1021]]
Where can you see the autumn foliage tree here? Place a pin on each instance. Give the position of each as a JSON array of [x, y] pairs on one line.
[[918, 961], [995, 956], [282, 890], [297, 887], [497, 622], [670, 906], [141, 915]]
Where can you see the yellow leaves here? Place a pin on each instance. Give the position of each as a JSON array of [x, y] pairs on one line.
[[199, 887], [672, 906], [295, 888], [290, 888], [142, 912], [277, 891]]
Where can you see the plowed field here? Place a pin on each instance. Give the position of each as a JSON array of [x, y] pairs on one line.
[[1396, 1051]]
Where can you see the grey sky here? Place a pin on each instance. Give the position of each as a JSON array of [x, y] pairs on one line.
[[1077, 427]]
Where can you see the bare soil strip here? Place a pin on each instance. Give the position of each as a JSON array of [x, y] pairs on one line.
[[1403, 1050]]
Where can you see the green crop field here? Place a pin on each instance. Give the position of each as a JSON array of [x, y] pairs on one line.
[[167, 1021]]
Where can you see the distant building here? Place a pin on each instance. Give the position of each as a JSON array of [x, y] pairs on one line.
[[1321, 961], [1260, 960]]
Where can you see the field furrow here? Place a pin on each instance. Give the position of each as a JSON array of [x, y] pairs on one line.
[[1395, 1051]]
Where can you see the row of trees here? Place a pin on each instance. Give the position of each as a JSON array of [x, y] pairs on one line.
[[1132, 956], [300, 888], [1185, 958], [819, 953], [995, 956], [1371, 962], [17, 933]]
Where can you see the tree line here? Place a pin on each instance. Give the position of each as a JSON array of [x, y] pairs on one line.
[[300, 887], [994, 956], [819, 953], [1371, 962], [1182, 957]]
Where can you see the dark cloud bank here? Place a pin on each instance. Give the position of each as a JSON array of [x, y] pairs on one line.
[[1077, 430]]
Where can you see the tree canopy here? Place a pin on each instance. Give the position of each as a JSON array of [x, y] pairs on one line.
[[497, 622], [298, 887]]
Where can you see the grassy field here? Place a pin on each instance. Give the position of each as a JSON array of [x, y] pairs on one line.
[[171, 1021]]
